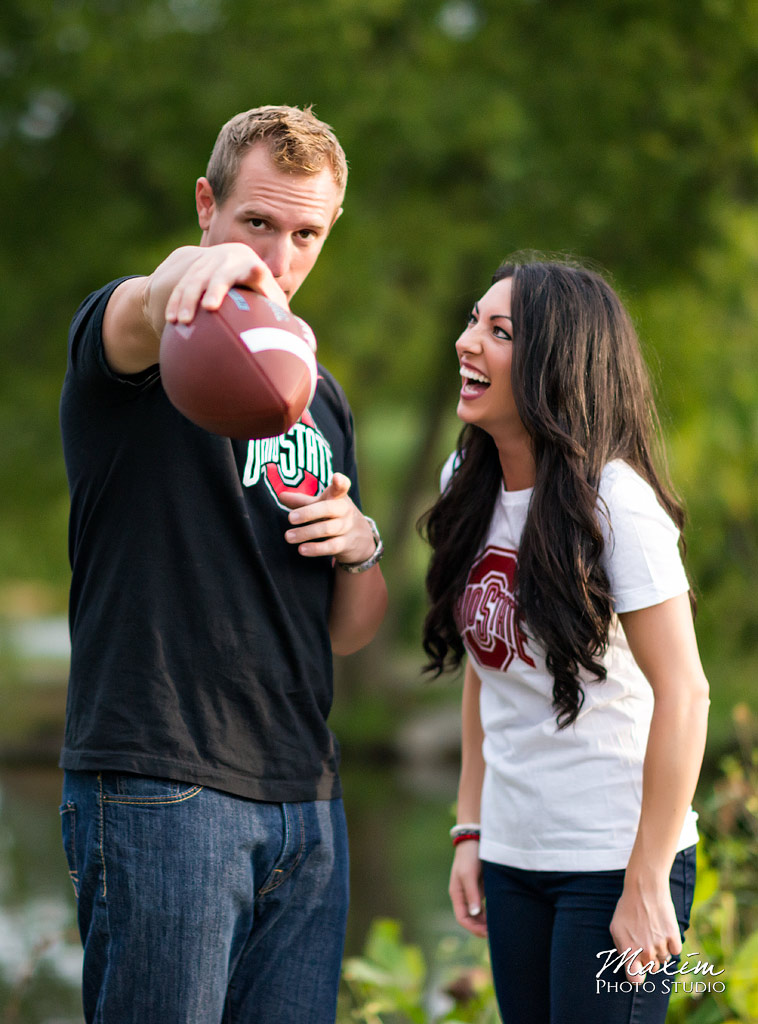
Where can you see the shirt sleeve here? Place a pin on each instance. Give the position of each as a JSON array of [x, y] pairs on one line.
[[641, 557], [446, 475], [87, 364]]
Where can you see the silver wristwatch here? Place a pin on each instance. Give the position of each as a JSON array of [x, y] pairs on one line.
[[373, 559]]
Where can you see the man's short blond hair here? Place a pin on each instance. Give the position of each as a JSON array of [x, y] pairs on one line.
[[297, 141]]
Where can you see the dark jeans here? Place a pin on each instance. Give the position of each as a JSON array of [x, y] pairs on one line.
[[546, 929], [197, 907]]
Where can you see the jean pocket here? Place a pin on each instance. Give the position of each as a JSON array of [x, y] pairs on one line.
[[683, 876], [68, 829], [145, 790], [689, 856]]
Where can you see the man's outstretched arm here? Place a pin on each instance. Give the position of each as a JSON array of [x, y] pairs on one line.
[[191, 276]]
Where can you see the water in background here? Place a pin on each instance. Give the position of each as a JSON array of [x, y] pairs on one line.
[[400, 855], [40, 955]]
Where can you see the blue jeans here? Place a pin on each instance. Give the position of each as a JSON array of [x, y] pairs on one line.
[[545, 931], [199, 907]]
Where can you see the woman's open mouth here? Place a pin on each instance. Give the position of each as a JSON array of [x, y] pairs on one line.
[[474, 383]]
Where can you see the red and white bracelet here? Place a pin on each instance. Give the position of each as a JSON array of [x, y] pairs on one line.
[[462, 833]]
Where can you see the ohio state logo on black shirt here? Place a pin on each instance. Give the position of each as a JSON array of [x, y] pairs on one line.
[[487, 613], [300, 460]]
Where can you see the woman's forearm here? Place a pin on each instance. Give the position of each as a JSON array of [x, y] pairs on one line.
[[672, 765], [472, 759], [662, 639]]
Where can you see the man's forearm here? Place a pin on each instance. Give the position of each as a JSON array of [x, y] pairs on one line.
[[358, 606]]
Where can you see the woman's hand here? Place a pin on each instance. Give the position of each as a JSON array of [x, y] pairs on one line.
[[662, 640], [466, 891], [645, 919]]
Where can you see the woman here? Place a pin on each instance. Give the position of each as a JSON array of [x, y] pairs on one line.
[[556, 568]]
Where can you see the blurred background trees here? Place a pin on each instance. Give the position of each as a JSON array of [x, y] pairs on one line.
[[623, 132]]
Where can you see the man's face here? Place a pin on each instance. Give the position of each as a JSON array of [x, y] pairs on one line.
[[284, 217]]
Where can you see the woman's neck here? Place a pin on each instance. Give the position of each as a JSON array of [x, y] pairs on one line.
[[517, 463]]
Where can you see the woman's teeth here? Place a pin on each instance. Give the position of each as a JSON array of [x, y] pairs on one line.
[[474, 377]]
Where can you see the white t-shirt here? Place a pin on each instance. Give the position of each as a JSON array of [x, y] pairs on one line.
[[567, 799]]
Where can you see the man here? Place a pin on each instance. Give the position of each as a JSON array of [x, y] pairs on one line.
[[201, 810]]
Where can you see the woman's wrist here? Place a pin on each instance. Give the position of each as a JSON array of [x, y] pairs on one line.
[[465, 832], [644, 875]]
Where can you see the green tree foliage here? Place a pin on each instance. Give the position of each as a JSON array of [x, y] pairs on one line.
[[622, 131]]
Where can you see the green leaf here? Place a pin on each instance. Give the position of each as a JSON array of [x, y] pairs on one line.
[[743, 979]]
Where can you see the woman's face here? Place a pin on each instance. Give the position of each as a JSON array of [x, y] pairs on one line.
[[484, 351]]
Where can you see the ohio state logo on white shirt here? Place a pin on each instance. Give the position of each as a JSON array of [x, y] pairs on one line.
[[487, 613]]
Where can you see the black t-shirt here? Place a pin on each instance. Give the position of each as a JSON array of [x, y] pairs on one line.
[[200, 642]]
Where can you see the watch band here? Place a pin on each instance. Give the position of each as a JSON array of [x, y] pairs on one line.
[[354, 567]]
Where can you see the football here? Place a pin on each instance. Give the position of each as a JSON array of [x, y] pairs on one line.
[[246, 370]]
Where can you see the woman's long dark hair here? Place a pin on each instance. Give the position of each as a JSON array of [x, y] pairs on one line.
[[582, 391]]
